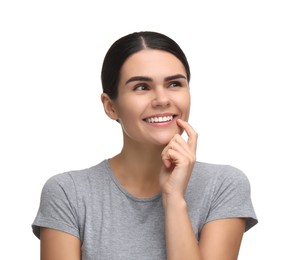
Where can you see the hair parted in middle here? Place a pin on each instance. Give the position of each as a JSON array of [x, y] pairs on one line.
[[127, 45]]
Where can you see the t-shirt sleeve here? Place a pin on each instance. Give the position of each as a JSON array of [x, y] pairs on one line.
[[232, 197], [58, 206]]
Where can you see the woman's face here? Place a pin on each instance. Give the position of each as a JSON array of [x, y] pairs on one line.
[[153, 92]]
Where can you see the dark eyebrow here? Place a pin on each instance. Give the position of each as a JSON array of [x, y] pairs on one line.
[[138, 78], [142, 78], [177, 76]]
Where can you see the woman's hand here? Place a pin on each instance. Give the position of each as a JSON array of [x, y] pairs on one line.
[[178, 159]]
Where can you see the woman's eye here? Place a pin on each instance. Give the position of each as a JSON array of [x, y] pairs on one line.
[[141, 87], [174, 85]]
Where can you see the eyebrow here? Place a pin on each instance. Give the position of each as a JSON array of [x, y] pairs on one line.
[[143, 78]]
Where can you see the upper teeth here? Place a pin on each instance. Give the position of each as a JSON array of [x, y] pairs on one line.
[[159, 119]]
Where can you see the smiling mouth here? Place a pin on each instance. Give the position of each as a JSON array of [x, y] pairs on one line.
[[159, 119]]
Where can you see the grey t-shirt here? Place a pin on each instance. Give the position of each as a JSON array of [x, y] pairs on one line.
[[113, 224]]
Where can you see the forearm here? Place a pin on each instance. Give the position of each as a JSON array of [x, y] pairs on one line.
[[181, 242]]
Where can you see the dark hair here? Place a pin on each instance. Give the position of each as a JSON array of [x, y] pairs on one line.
[[130, 44]]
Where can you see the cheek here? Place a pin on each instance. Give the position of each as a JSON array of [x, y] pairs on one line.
[[131, 107], [127, 112], [184, 102], [185, 106]]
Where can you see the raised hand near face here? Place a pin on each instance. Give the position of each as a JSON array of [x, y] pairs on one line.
[[178, 159]]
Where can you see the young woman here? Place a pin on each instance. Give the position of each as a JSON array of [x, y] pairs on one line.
[[153, 200]]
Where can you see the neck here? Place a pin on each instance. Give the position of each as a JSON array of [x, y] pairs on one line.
[[137, 169]]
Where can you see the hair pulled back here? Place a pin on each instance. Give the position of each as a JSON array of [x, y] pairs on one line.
[[130, 44]]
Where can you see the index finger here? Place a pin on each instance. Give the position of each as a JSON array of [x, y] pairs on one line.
[[192, 134]]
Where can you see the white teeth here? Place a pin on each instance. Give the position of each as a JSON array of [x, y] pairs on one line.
[[159, 119]]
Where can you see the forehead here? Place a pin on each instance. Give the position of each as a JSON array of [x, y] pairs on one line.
[[152, 63]]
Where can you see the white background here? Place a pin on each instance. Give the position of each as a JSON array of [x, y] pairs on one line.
[[52, 118]]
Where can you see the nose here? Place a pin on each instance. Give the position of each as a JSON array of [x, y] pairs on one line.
[[161, 97]]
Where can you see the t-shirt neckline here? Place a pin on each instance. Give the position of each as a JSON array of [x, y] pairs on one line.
[[123, 190]]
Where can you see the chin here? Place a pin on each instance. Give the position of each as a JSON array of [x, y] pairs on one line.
[[163, 139]]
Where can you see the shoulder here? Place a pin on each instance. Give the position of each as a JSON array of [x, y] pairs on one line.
[[217, 180], [223, 185], [219, 173], [77, 179], [227, 191]]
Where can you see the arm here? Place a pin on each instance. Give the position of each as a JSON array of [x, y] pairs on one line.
[[220, 239], [58, 245], [181, 242]]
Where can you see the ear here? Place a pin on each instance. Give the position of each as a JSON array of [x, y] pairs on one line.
[[109, 106]]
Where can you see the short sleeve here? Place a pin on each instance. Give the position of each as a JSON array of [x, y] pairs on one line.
[[232, 197], [58, 206]]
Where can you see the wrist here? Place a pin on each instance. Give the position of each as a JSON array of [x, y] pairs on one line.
[[175, 202]]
